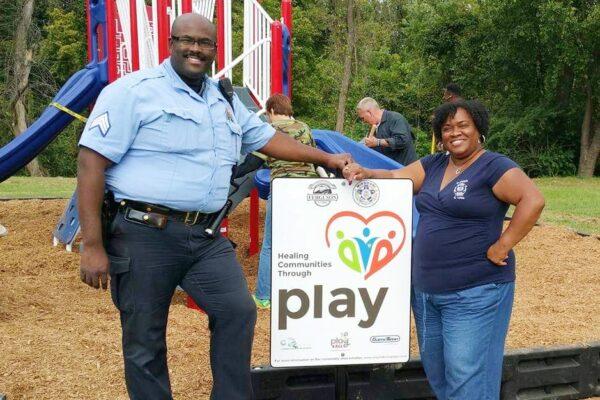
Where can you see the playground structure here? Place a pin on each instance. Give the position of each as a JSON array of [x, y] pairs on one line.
[[128, 35], [124, 36]]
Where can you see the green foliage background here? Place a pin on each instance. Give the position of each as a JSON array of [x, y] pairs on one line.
[[58, 37], [527, 60]]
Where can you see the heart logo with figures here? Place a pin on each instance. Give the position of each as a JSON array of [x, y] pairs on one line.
[[366, 245]]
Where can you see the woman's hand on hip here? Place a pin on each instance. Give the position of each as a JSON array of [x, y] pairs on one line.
[[498, 254]]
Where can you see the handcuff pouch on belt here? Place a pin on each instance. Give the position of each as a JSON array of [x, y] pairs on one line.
[[107, 215], [153, 219]]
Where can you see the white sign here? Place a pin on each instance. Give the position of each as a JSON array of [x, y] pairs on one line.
[[340, 271]]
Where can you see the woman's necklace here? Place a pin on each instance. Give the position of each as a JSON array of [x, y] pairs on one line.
[[463, 166]]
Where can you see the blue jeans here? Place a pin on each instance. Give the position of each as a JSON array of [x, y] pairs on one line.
[[263, 282], [461, 339]]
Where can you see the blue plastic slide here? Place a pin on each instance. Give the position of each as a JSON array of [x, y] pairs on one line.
[[77, 93], [335, 142]]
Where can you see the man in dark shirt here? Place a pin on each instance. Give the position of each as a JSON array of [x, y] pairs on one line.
[[452, 93], [392, 135]]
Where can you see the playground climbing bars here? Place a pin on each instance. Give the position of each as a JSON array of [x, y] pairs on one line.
[[137, 34]]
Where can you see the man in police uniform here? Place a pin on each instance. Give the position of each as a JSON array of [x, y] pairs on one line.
[[164, 141], [393, 136]]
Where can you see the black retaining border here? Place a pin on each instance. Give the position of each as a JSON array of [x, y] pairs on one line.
[[558, 373]]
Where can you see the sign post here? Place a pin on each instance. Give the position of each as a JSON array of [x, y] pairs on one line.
[[340, 273]]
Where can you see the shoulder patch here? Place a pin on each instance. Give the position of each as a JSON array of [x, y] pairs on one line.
[[102, 122]]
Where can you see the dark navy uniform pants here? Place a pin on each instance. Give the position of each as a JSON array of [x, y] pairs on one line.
[[146, 265]]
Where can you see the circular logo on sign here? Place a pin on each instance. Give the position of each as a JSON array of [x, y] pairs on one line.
[[321, 192], [365, 193]]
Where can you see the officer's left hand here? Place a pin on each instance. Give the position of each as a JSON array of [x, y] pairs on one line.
[[338, 161]]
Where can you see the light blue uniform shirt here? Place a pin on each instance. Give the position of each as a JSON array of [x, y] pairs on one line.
[[170, 145]]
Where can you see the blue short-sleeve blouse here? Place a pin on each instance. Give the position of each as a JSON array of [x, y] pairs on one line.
[[458, 224]]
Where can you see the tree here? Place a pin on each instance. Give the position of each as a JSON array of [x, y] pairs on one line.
[[532, 62], [590, 127], [529, 61], [347, 75], [590, 136], [22, 58]]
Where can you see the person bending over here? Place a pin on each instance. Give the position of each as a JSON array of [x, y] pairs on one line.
[[390, 133]]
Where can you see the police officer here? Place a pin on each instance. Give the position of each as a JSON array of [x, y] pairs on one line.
[[164, 141], [392, 135]]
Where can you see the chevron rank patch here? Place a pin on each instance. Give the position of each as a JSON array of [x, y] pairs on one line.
[[102, 122]]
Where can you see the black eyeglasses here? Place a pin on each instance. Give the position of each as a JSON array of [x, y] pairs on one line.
[[189, 42]]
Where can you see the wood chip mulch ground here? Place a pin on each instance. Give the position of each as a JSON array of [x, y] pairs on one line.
[[60, 339]]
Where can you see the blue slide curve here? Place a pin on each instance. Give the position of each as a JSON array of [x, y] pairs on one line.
[[76, 94], [335, 142]]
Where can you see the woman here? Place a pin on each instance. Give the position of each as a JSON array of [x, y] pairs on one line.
[[463, 264], [280, 114]]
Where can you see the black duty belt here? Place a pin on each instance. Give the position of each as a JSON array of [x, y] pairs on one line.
[[157, 215]]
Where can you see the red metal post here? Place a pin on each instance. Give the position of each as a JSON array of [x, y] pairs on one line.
[[135, 49], [111, 33], [254, 223], [164, 29], [276, 58], [286, 14], [190, 303], [89, 30], [186, 6], [224, 229], [220, 34]]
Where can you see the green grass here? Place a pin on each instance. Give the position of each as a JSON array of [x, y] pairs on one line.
[[571, 202], [18, 187]]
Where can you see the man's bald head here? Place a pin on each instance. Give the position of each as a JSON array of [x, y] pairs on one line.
[[192, 46], [193, 20]]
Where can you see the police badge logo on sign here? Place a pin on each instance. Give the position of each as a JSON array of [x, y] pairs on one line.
[[366, 193]]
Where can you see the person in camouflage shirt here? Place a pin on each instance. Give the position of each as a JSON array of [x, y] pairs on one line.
[[289, 169], [279, 112]]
